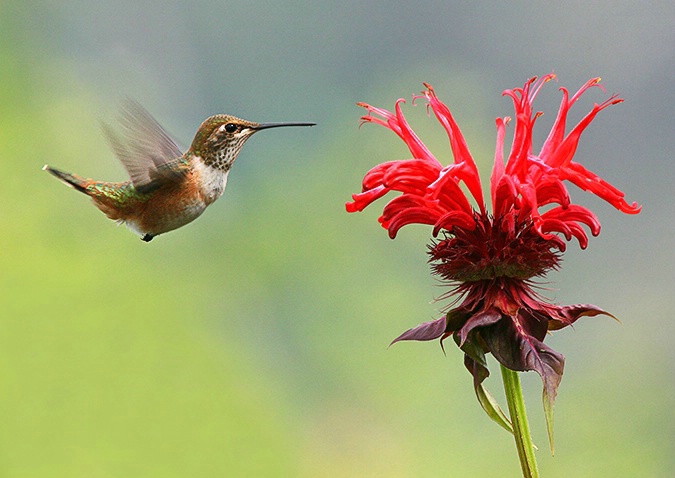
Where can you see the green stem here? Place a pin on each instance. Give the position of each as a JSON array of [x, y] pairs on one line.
[[521, 429]]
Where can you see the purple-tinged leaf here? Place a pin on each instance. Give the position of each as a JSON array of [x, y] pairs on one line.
[[426, 331], [452, 321], [533, 323], [475, 363], [521, 352], [481, 319], [571, 313], [456, 319]]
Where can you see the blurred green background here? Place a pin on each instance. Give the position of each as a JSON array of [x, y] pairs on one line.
[[253, 342]]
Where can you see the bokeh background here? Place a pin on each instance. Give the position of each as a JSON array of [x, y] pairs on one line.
[[254, 341]]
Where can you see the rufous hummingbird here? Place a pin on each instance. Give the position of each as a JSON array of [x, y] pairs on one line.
[[167, 189]]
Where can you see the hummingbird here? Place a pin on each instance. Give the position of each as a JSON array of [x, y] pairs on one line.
[[167, 189]]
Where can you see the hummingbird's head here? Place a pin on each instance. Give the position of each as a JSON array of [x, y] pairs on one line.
[[220, 138]]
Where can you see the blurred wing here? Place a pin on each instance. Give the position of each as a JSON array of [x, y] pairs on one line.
[[145, 149]]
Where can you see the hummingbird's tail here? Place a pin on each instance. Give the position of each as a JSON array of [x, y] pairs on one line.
[[75, 182]]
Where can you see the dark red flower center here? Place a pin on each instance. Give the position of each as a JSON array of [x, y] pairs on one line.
[[497, 247]]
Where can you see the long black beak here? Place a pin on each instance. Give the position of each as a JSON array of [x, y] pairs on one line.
[[279, 125]]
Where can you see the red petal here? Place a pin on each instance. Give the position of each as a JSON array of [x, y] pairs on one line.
[[362, 200], [589, 181], [498, 165], [452, 219], [460, 150]]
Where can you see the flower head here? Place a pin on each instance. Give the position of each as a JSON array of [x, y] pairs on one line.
[[490, 259]]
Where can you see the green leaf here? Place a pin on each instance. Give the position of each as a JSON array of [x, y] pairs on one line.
[[475, 362], [492, 408]]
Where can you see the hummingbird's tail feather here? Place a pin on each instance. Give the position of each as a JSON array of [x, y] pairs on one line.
[[72, 180]]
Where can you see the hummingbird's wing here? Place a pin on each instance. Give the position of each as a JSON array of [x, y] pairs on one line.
[[145, 149]]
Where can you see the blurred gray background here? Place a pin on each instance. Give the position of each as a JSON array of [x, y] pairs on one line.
[[253, 342]]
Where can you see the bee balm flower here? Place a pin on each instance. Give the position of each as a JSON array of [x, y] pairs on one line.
[[491, 259]]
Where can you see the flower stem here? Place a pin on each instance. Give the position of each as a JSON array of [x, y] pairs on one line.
[[521, 429]]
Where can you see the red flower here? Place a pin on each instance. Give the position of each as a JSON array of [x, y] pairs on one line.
[[491, 258]]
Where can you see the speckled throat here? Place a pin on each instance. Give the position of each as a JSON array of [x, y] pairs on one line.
[[222, 153]]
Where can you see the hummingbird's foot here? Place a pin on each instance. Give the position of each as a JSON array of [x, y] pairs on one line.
[[147, 237]]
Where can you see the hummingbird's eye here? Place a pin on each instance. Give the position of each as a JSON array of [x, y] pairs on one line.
[[231, 127]]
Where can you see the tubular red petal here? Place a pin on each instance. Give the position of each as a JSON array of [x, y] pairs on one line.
[[458, 145], [397, 123], [415, 145], [411, 176], [552, 190], [589, 181], [568, 229], [409, 202], [452, 219], [506, 194], [375, 176], [364, 199], [412, 215], [538, 83], [568, 221], [562, 155], [498, 166], [447, 191], [557, 134], [589, 84], [548, 225]]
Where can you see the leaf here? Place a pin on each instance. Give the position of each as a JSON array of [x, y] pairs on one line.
[[474, 356], [571, 313], [492, 408], [426, 331], [516, 350], [478, 368], [481, 319], [452, 321], [456, 319]]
